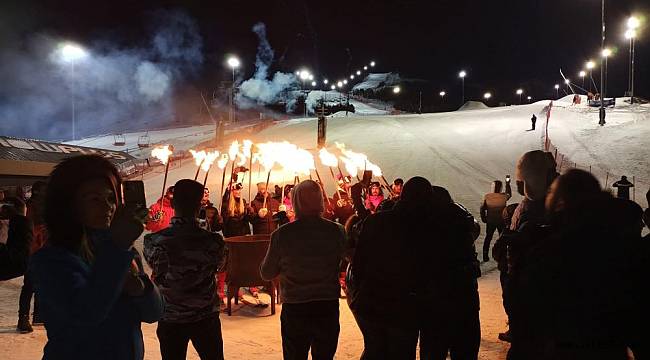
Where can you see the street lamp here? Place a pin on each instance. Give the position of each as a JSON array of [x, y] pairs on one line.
[[605, 54], [487, 96], [372, 64], [233, 63], [529, 98], [557, 91], [365, 68], [632, 24], [325, 81], [590, 66], [519, 92], [333, 87], [339, 84], [70, 53], [351, 77], [345, 82], [396, 90], [582, 75], [442, 94], [567, 82], [358, 72], [462, 75], [313, 83]]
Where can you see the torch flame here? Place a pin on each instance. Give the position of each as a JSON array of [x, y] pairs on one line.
[[327, 158], [350, 166], [234, 150], [209, 160], [162, 153], [198, 156], [223, 161], [247, 148], [376, 171]]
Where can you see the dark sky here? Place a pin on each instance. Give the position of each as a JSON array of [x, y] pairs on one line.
[[502, 44]]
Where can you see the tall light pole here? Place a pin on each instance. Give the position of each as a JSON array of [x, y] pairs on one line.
[[603, 60], [304, 76], [462, 75], [567, 82], [487, 97], [557, 91], [70, 53], [233, 63], [529, 98], [519, 92], [632, 25], [582, 75], [590, 66]]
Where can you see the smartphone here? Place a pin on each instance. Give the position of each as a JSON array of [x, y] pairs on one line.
[[367, 177], [133, 194], [507, 178]]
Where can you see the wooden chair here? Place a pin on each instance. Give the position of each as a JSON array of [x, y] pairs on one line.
[[245, 255]]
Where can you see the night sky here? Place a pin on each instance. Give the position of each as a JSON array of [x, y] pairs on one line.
[[503, 45]]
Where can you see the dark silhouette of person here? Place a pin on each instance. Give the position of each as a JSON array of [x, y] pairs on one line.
[[623, 187], [533, 120]]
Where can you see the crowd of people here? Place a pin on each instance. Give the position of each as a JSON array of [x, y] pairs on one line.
[[571, 258]]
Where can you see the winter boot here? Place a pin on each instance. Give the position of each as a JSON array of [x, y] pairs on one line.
[[24, 326]]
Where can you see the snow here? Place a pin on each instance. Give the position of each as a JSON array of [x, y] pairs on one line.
[[377, 80], [472, 105], [183, 139]]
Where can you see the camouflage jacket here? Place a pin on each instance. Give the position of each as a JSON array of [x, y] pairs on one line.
[[184, 259]]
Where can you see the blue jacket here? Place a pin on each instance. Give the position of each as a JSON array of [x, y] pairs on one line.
[[85, 313]]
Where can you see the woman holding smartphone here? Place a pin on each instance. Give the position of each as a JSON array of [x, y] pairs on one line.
[[89, 280]]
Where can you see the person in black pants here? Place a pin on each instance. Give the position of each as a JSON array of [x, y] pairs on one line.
[[305, 254], [188, 287]]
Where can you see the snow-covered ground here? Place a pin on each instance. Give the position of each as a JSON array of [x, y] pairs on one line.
[[463, 151]]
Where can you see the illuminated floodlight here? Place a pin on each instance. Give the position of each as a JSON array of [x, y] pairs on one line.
[[583, 73], [630, 34], [325, 81], [72, 52], [396, 89], [333, 87], [339, 84], [606, 52], [233, 62], [442, 93], [304, 75], [345, 82], [487, 96], [311, 77], [530, 97], [358, 72], [557, 86], [313, 83], [633, 23], [372, 64], [520, 91], [365, 68], [590, 64], [351, 77], [462, 74]]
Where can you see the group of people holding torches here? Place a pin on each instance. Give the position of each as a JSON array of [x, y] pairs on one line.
[[267, 210]]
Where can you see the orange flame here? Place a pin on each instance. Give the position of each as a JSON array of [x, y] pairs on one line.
[[162, 153]]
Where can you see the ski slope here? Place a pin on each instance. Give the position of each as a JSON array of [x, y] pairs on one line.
[[465, 151]]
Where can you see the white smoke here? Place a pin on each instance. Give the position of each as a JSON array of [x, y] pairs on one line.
[[114, 88], [259, 90]]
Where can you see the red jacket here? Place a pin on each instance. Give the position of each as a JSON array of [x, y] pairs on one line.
[[156, 224]]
